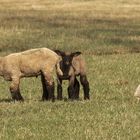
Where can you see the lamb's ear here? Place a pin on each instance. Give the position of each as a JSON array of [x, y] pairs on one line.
[[75, 54], [59, 52]]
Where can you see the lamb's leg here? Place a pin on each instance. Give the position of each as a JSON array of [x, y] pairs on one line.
[[59, 89], [71, 88], [76, 89], [15, 91], [49, 86], [85, 85], [45, 92]]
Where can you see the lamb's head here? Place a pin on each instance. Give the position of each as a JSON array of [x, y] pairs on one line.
[[66, 62]]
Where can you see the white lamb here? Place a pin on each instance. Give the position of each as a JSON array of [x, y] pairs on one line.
[[33, 62], [137, 93]]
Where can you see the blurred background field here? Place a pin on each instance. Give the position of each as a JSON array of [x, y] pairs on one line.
[[108, 35], [98, 27]]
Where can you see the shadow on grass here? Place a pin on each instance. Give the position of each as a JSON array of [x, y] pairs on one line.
[[6, 100], [71, 100], [63, 100]]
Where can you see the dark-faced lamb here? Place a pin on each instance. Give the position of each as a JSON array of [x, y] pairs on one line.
[[72, 65], [33, 62]]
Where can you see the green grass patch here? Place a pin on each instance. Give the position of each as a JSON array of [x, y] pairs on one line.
[[112, 112]]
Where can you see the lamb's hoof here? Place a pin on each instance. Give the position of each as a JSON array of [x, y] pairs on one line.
[[53, 99], [65, 99], [18, 100], [44, 98], [87, 98], [59, 98]]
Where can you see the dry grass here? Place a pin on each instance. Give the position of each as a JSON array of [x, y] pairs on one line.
[[103, 27], [93, 27]]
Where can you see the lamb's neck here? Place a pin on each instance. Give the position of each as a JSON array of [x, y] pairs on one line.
[[1, 66]]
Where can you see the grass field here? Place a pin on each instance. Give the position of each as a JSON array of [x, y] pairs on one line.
[[108, 34]]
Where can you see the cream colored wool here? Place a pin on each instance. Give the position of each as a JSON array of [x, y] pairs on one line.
[[29, 63], [79, 65], [137, 93]]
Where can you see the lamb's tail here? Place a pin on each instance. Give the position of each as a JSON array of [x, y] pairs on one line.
[[58, 70]]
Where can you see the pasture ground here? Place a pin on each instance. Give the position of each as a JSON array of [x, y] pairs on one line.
[[108, 34]]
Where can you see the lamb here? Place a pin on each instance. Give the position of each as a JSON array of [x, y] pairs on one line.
[[72, 65], [137, 93], [33, 62]]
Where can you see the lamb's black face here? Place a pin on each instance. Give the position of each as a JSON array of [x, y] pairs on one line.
[[66, 62]]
